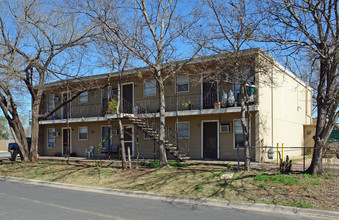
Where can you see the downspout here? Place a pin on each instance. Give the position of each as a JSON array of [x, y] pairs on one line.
[[176, 108], [67, 121], [272, 109]]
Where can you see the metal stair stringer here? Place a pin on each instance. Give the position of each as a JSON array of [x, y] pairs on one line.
[[178, 147]]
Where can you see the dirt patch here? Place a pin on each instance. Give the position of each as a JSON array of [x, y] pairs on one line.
[[196, 181]]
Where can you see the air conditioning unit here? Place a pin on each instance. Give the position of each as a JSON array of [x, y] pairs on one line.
[[56, 133], [114, 132], [56, 99], [225, 128]]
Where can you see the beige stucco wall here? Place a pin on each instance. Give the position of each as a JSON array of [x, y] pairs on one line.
[[284, 108], [144, 148], [226, 150]]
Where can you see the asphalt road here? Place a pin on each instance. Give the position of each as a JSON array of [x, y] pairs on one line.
[[23, 201], [4, 155]]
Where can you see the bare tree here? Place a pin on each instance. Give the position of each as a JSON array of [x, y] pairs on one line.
[[159, 26], [116, 57], [302, 28], [38, 43], [233, 24]]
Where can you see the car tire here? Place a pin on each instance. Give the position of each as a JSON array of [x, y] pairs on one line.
[[14, 153]]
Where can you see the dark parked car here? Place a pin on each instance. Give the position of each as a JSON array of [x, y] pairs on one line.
[[13, 148]]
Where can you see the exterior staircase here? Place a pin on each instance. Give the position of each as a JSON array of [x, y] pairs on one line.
[[147, 122]]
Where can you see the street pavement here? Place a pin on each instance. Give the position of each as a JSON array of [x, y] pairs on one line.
[[25, 201], [4, 155]]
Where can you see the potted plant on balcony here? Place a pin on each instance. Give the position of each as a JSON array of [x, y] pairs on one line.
[[217, 105], [187, 104]]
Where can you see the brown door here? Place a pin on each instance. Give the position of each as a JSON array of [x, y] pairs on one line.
[[210, 140], [209, 94], [106, 139], [66, 141], [65, 108], [127, 96]]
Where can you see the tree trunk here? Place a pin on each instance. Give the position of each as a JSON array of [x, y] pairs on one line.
[[121, 127], [316, 166], [245, 126], [19, 136], [327, 113], [122, 144], [33, 153], [162, 151]]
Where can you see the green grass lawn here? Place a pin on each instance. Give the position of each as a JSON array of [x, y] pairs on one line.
[[192, 181]]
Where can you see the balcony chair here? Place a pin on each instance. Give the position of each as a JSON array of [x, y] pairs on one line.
[[89, 152]]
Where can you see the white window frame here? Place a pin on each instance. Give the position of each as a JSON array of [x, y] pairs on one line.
[[51, 139], [82, 139], [189, 129], [234, 133], [150, 85], [181, 80], [84, 96]]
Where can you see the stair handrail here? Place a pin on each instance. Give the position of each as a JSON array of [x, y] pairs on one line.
[[171, 135]]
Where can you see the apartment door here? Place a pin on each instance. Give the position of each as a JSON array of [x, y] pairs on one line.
[[210, 140], [127, 96], [105, 138], [66, 109], [128, 137], [209, 94], [66, 141]]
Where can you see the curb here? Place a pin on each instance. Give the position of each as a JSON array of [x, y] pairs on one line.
[[198, 201]]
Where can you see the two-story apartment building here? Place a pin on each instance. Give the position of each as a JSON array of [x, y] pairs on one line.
[[203, 121]]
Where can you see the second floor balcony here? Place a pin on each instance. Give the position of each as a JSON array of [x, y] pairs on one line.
[[180, 102]]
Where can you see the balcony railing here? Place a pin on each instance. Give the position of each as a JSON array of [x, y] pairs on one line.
[[150, 105], [186, 102], [87, 110]]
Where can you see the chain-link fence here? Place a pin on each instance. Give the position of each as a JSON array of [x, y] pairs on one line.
[[301, 157]]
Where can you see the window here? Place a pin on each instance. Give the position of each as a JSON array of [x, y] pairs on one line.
[[150, 88], [182, 84], [50, 102], [183, 129], [83, 133], [239, 138], [83, 97], [114, 91], [51, 138]]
